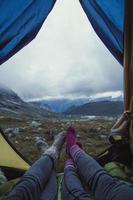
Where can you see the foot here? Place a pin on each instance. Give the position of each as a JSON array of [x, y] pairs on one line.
[[42, 145], [54, 150], [71, 139]]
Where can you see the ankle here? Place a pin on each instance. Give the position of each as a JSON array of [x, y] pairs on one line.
[[52, 152]]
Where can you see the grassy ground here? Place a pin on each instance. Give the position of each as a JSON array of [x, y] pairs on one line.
[[92, 134]]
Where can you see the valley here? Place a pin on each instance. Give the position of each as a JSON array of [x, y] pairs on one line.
[[24, 121]]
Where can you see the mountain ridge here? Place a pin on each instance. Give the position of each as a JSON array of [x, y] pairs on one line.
[[12, 105], [103, 108], [62, 104]]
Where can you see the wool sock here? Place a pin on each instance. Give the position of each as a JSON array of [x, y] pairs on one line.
[[54, 150], [41, 144], [71, 139], [69, 163]]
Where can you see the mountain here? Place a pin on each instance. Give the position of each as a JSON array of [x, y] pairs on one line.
[[58, 105], [12, 105], [41, 105], [63, 104], [100, 108]]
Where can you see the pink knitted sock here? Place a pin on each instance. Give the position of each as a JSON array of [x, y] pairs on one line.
[[69, 163], [71, 139]]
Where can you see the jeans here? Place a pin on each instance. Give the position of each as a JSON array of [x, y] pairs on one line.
[[39, 182], [72, 187], [102, 185]]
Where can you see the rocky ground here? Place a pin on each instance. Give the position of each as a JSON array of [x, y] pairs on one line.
[[92, 133]]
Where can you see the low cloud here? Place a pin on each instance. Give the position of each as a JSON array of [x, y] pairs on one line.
[[66, 59]]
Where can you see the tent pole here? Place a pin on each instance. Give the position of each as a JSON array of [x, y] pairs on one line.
[[125, 123], [128, 63]]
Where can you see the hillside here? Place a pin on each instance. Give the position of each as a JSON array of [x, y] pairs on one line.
[[11, 105], [103, 108], [61, 105], [41, 105]]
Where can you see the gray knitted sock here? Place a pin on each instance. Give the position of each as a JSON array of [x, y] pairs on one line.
[[42, 145], [54, 150]]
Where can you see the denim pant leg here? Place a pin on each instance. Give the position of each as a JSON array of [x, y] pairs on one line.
[[34, 181], [102, 185], [72, 187], [50, 191]]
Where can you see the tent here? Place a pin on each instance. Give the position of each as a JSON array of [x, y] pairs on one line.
[[112, 20]]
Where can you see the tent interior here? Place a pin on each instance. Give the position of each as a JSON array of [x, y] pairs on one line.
[[112, 21]]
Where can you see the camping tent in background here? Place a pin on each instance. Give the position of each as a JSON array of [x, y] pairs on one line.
[[13, 163], [112, 20]]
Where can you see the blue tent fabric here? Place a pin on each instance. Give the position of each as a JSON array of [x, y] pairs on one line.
[[107, 18], [20, 21]]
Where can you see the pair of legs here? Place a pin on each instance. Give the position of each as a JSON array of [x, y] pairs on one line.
[[83, 168], [39, 182], [72, 187]]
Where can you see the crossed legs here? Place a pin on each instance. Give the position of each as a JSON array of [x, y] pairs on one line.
[[39, 182], [102, 185]]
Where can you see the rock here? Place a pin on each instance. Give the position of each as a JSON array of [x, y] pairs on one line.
[[8, 130], [62, 125], [27, 138], [103, 137], [78, 136], [35, 124], [10, 135], [14, 131], [99, 129], [39, 130], [37, 138], [68, 124], [95, 130], [22, 129]]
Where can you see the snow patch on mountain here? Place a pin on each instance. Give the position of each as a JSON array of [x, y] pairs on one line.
[[110, 96]]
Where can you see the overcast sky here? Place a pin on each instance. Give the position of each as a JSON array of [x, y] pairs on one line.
[[66, 59]]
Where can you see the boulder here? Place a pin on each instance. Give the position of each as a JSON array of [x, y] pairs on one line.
[[13, 131], [95, 130], [8, 130], [16, 131], [35, 124], [27, 138], [103, 137], [40, 130]]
